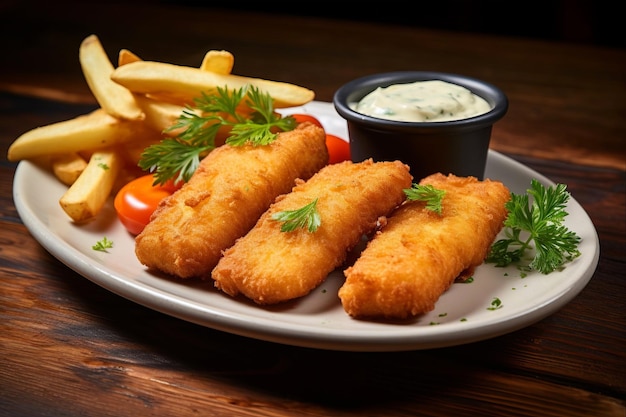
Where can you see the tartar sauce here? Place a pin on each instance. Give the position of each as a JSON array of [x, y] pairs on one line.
[[422, 101]]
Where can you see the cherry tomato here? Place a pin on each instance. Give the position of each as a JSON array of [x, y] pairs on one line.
[[301, 118], [136, 201], [338, 149]]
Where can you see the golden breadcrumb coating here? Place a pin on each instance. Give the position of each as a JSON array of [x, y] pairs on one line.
[[224, 198], [415, 258], [270, 266]]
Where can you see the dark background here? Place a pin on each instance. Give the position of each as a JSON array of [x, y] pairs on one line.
[[578, 21]]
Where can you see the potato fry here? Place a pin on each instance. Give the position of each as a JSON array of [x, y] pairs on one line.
[[219, 62], [160, 115], [67, 168], [92, 131], [186, 83], [86, 197], [97, 68], [132, 150], [126, 57]]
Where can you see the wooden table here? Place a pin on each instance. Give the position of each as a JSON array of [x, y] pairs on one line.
[[68, 347]]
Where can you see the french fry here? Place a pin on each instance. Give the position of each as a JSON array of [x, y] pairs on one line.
[[97, 68], [126, 57], [160, 115], [85, 198], [183, 83], [132, 150], [67, 168], [219, 62], [94, 130]]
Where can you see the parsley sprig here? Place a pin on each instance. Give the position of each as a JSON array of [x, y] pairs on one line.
[[103, 244], [178, 158], [428, 193], [305, 217], [541, 222]]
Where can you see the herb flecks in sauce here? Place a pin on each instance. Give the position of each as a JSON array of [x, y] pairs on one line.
[[423, 101]]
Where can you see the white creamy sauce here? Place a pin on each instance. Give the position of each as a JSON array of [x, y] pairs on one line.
[[422, 101]]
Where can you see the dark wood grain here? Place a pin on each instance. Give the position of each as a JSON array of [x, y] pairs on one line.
[[69, 347]]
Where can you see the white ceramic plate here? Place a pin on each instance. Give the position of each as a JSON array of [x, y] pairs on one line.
[[462, 314]]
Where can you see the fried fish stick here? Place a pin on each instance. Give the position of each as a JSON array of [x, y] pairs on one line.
[[418, 254], [269, 266], [224, 198]]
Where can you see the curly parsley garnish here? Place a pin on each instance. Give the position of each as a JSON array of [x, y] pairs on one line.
[[178, 158], [540, 222], [306, 217], [431, 195], [103, 244]]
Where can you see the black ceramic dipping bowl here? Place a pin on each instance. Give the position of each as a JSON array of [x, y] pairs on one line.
[[458, 147]]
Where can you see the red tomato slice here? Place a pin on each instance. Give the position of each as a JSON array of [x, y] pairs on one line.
[[301, 118], [338, 149], [137, 200]]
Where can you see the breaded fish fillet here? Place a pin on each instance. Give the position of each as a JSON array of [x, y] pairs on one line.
[[270, 266], [418, 254], [224, 198]]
